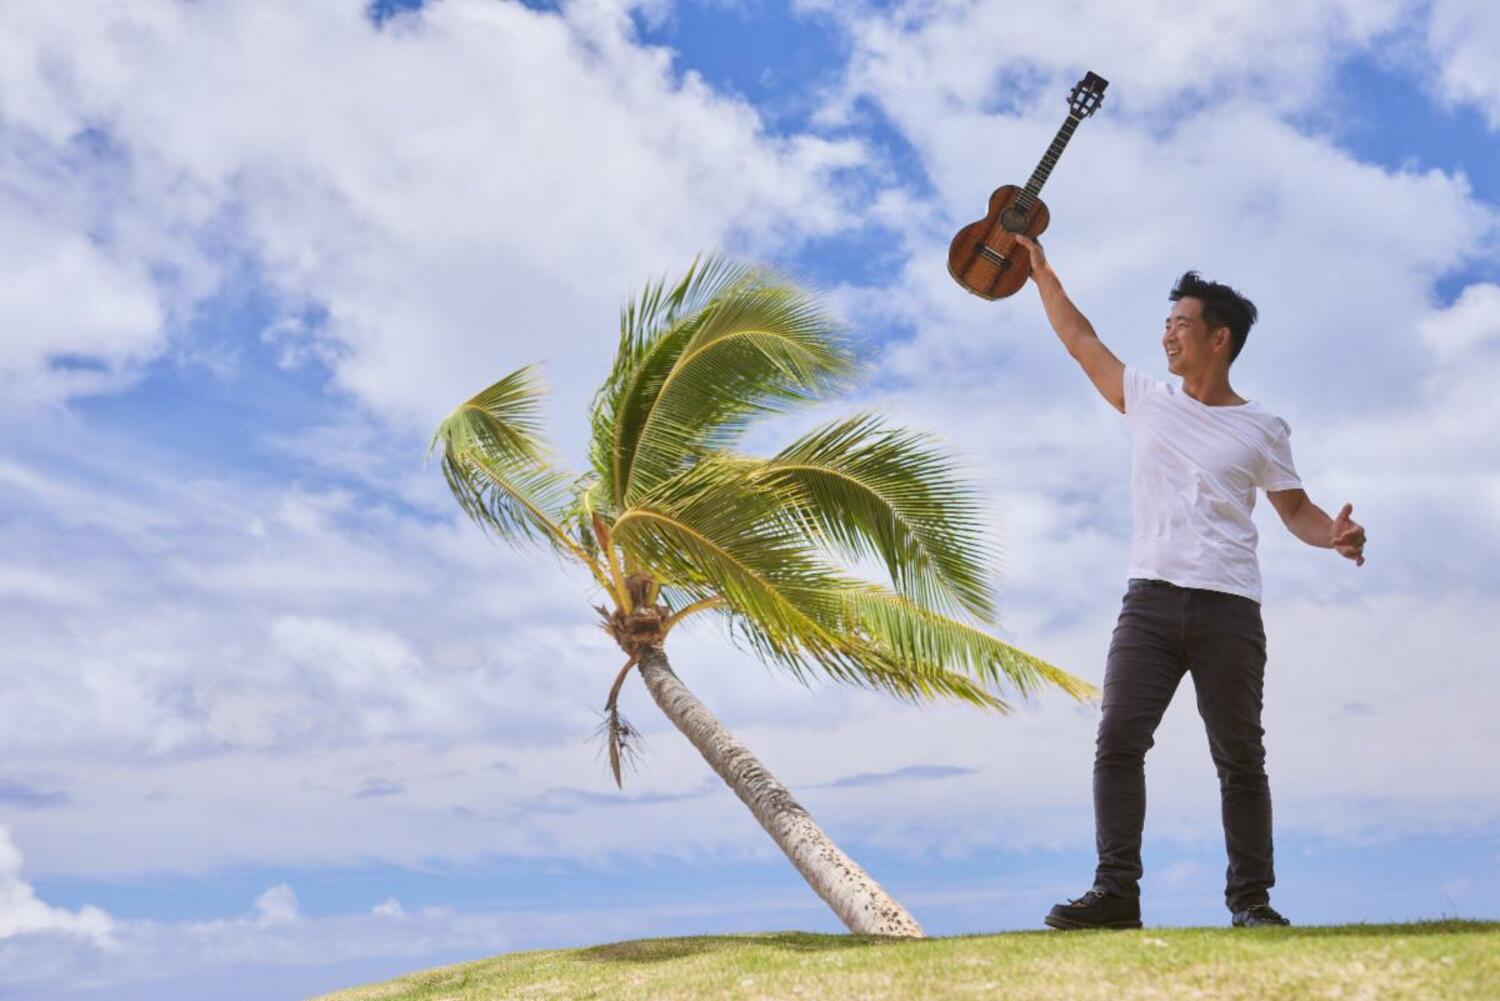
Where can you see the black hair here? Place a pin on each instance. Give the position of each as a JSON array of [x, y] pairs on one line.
[[1222, 307]]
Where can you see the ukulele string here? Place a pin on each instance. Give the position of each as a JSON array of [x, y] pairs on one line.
[[991, 254]]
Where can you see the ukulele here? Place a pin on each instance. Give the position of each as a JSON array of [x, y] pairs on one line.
[[983, 257]]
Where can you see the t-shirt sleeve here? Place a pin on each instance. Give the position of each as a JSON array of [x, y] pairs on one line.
[[1137, 385], [1277, 471]]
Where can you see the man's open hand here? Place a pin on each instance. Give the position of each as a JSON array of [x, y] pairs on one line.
[[1349, 536]]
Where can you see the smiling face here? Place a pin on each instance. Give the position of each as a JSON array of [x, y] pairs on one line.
[[1189, 347]]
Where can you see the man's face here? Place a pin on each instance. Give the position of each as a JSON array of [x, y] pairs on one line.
[[1186, 340]]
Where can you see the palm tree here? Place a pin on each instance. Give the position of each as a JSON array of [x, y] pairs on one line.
[[672, 522]]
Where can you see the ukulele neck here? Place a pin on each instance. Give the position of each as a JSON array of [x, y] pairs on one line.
[[1049, 159]]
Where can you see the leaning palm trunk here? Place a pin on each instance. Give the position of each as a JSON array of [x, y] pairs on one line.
[[859, 901]]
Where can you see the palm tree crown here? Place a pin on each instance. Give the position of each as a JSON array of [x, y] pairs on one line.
[[672, 521]]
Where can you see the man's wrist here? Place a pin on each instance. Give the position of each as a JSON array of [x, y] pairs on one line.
[[1313, 526]]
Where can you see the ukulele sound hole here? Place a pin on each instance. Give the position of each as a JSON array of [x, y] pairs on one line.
[[1013, 219]]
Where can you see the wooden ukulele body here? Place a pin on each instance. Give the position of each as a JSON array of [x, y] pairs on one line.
[[985, 258]]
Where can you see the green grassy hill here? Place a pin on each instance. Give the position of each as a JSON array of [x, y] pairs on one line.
[[1424, 961]]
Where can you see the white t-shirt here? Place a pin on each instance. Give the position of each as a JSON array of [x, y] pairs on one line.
[[1193, 473]]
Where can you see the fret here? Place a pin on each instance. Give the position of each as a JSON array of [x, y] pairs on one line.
[[1049, 160]]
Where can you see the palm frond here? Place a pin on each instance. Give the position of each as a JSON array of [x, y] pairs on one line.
[[722, 527], [918, 638], [920, 683], [694, 367], [879, 668], [654, 327], [863, 490], [713, 530], [763, 349], [577, 518], [499, 467]]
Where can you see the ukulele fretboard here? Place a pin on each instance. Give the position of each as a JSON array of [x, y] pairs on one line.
[[1048, 161]]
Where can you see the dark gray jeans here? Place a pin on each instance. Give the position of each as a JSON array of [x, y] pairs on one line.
[[1163, 632]]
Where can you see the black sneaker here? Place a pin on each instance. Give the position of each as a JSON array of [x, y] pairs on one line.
[[1258, 914], [1096, 909]]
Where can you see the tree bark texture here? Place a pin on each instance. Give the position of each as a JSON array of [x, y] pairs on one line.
[[860, 902]]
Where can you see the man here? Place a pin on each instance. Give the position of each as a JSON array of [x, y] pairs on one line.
[[1192, 604]]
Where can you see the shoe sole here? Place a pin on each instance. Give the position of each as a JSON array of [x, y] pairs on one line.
[[1068, 924]]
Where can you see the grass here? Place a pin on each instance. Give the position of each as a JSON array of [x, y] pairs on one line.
[[1427, 960]]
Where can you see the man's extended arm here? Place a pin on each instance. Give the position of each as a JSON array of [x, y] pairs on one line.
[[1311, 524], [1104, 370], [1071, 325]]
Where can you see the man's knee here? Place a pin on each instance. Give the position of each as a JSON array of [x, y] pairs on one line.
[[1241, 757], [1121, 737]]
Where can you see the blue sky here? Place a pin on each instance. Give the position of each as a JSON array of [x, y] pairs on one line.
[[277, 720]]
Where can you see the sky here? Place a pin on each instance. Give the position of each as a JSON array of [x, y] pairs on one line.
[[277, 719]]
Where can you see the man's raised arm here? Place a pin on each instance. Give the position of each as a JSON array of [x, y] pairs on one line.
[[1105, 370]]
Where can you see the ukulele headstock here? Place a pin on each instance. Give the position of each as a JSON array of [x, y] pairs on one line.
[[1087, 94]]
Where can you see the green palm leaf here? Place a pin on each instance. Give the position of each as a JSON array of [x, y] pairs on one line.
[[696, 365], [653, 331], [721, 526], [710, 527], [863, 490], [918, 638], [498, 466], [879, 668]]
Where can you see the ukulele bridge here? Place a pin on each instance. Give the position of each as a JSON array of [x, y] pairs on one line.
[[992, 255]]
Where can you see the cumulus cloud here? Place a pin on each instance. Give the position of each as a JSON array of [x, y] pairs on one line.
[[277, 906], [966, 55], [227, 959], [71, 313], [290, 625], [1463, 37], [22, 913], [1461, 333], [435, 187]]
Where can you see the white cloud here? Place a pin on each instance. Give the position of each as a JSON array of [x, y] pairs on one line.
[[1463, 36], [967, 55], [297, 632], [1446, 434], [242, 956], [1470, 325], [21, 913], [388, 908], [277, 906], [74, 319], [448, 190]]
